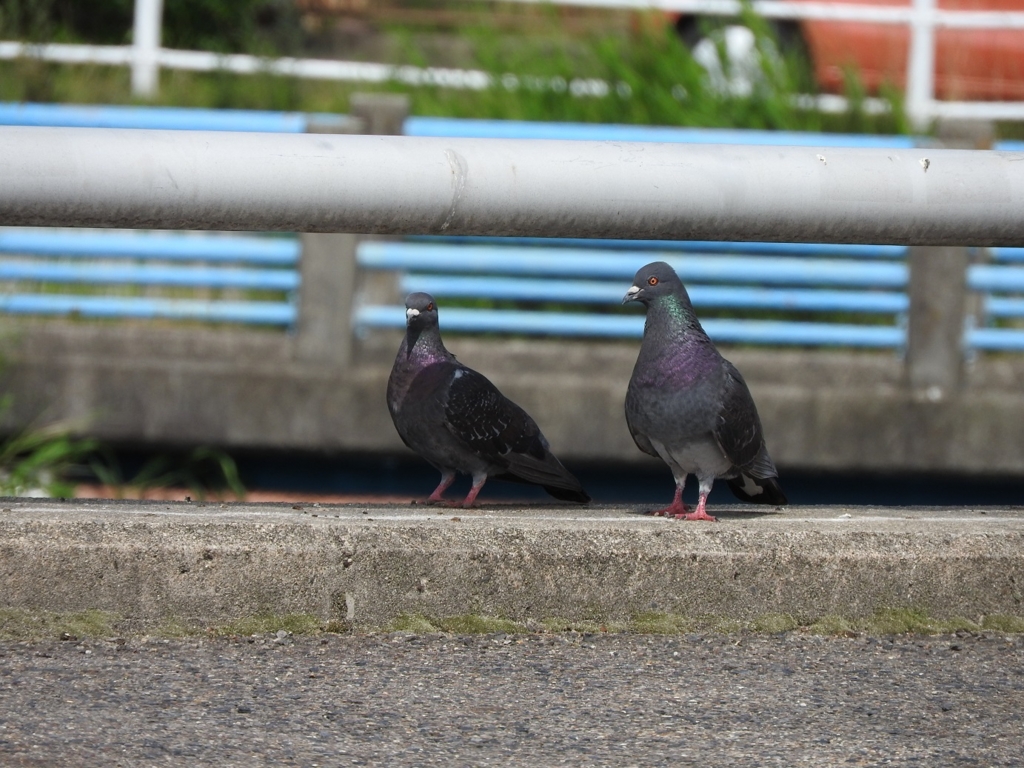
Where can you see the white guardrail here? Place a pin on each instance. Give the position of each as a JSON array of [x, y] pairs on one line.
[[408, 185], [146, 57]]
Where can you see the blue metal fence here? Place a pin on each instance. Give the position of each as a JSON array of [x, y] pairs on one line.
[[594, 276], [1007, 254], [175, 118], [622, 265], [997, 326], [43, 267], [521, 129], [690, 246], [113, 307], [458, 319], [167, 246], [164, 118]]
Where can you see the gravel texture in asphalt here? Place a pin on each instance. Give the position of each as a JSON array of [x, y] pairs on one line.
[[539, 700]]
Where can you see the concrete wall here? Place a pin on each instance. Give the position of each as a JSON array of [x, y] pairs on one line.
[[254, 389]]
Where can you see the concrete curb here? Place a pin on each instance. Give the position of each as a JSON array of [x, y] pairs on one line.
[[204, 564]]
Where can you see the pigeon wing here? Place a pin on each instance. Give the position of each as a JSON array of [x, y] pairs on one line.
[[503, 434], [738, 428], [740, 437], [486, 421], [642, 441]]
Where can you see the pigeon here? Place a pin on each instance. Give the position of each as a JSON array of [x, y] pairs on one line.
[[458, 421], [689, 406]]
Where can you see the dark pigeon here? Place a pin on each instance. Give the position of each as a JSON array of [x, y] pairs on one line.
[[457, 420], [689, 406]]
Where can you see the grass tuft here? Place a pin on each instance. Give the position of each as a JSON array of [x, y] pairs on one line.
[[1003, 623], [832, 625], [21, 624]]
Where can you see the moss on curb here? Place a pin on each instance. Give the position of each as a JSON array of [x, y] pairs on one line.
[[22, 625], [890, 621], [18, 624]]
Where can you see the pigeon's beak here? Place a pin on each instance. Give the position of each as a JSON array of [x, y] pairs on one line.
[[411, 313], [631, 294]]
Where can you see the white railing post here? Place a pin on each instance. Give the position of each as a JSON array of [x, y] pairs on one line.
[[145, 44], [921, 65]]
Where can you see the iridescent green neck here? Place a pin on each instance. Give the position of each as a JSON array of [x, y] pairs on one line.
[[672, 311]]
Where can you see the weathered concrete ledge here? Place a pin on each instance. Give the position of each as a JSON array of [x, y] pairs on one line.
[[203, 564]]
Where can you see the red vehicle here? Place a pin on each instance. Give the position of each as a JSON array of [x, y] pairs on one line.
[[970, 64]]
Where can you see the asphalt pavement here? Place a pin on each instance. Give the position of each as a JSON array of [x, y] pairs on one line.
[[404, 699]]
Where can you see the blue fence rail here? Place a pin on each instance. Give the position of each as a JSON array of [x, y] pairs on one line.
[[595, 275], [1001, 288], [175, 118], [166, 246], [44, 271], [521, 129], [769, 332], [113, 307], [162, 118]]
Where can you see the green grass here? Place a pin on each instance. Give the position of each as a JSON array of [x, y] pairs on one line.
[[896, 621], [38, 458], [202, 470], [19, 624]]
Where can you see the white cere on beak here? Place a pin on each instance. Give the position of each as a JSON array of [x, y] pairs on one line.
[[633, 290], [411, 313]]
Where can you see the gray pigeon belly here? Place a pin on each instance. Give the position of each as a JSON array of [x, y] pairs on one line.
[[438, 446], [699, 456]]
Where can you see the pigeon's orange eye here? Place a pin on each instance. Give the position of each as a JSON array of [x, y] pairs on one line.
[[652, 281], [430, 306]]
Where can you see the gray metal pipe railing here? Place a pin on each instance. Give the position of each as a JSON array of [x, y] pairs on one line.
[[408, 185]]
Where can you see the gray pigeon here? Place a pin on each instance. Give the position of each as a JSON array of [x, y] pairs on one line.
[[457, 420], [689, 406]]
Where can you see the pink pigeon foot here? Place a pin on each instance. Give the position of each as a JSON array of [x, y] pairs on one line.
[[437, 496], [478, 483], [699, 513], [675, 509]]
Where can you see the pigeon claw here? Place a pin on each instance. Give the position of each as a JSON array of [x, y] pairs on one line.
[[698, 515], [674, 510]]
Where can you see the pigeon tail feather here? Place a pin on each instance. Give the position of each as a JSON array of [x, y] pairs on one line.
[[758, 490], [567, 494], [547, 473]]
